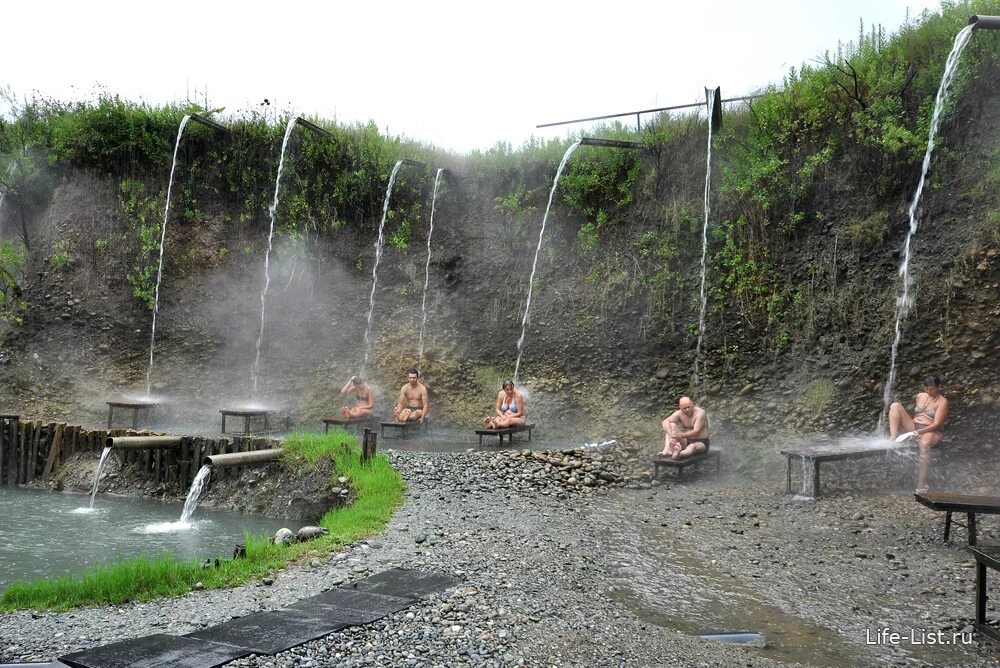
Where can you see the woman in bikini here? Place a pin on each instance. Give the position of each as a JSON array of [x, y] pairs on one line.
[[364, 399], [509, 408], [929, 414]]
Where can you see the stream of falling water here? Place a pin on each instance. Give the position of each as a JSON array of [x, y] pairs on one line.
[[710, 95], [163, 239], [379, 244], [197, 485], [905, 300], [534, 264], [97, 475], [255, 371], [427, 271]]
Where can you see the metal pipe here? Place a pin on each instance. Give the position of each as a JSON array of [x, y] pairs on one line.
[[142, 442], [209, 123], [715, 113], [315, 128], [611, 143], [242, 458], [646, 111], [985, 22]]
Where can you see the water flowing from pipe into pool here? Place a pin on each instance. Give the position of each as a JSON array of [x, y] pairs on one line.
[[197, 485], [97, 475]]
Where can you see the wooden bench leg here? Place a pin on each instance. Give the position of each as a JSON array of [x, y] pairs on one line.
[[223, 423], [788, 474], [971, 526], [529, 434], [980, 594], [947, 525]]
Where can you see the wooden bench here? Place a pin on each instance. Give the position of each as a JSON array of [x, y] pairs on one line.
[[404, 428], [508, 432], [986, 557], [134, 406], [350, 423], [811, 459], [247, 415], [960, 503], [680, 464]]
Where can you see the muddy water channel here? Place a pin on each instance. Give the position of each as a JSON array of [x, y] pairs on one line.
[[678, 563], [44, 534]]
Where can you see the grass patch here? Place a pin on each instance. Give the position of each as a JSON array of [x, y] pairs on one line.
[[378, 491]]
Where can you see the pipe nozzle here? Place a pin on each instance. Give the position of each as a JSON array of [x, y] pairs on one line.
[[315, 128], [985, 22], [209, 123]]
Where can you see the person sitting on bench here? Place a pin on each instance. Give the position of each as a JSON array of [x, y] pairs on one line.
[[930, 412], [364, 399], [687, 431], [509, 408], [412, 405]]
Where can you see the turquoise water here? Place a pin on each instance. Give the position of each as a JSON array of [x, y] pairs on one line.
[[48, 534]]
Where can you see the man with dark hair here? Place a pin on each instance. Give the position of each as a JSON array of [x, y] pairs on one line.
[[687, 430], [412, 405]]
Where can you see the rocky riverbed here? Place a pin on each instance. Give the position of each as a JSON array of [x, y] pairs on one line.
[[617, 572]]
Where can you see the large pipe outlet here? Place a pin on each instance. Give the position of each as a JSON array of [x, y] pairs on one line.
[[611, 143], [242, 458], [142, 442], [985, 22]]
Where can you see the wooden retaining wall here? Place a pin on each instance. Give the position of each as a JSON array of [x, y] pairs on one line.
[[32, 449]]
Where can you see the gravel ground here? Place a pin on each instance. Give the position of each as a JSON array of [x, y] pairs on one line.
[[562, 574]]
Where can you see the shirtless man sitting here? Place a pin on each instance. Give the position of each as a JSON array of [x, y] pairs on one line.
[[687, 431], [412, 405]]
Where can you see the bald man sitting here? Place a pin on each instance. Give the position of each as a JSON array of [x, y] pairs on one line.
[[686, 431]]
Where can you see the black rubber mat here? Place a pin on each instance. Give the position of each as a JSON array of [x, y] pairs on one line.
[[271, 632], [405, 583], [352, 606], [156, 651]]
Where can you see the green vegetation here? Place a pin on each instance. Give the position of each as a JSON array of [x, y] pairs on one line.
[[60, 254], [816, 397], [11, 305], [377, 490], [851, 126], [143, 213]]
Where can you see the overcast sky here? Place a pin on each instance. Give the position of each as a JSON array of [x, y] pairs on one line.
[[461, 75]]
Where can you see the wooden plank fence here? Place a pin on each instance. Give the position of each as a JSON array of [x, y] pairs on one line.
[[31, 449]]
